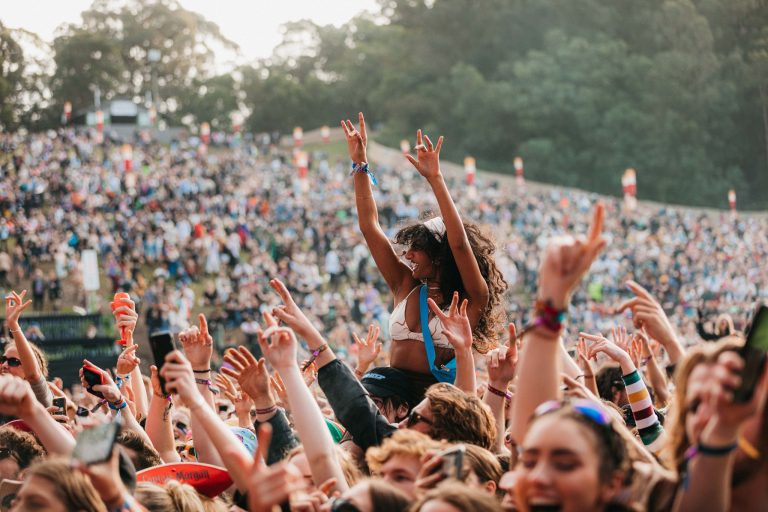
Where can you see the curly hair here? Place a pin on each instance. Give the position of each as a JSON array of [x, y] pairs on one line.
[[404, 442], [460, 417], [491, 321], [23, 444]]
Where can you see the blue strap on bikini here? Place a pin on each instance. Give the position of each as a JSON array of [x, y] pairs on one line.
[[447, 372]]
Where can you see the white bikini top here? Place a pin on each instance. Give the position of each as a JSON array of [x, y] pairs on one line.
[[398, 327]]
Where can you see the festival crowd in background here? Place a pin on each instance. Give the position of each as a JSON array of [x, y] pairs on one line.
[[409, 325]]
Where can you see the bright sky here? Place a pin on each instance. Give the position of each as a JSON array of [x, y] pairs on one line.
[[252, 24]]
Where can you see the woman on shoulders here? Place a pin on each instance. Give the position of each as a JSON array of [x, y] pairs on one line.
[[444, 254]]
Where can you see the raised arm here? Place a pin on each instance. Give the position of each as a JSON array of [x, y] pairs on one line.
[[180, 379], [127, 318], [33, 373], [17, 399], [458, 331], [648, 314], [710, 462], [502, 362], [281, 352], [427, 162], [395, 272], [158, 426], [198, 349], [565, 262], [648, 426], [655, 375]]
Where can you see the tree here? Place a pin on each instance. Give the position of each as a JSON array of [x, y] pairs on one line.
[[11, 78]]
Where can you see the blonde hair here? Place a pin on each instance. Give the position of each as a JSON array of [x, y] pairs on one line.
[[72, 488], [404, 442], [175, 496], [677, 440], [352, 473]]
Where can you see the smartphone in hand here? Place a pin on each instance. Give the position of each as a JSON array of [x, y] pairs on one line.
[[754, 354], [95, 444], [93, 377], [61, 405], [161, 344], [453, 462]]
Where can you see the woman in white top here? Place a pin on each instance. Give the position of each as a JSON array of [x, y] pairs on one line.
[[443, 253]]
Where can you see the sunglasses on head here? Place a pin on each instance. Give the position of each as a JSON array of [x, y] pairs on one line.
[[586, 408], [343, 505], [13, 362], [415, 418]]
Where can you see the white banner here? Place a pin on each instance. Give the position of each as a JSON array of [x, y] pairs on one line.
[[89, 263]]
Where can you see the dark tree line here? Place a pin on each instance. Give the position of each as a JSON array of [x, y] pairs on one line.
[[677, 89]]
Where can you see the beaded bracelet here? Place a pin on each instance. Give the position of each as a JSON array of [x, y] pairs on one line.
[[498, 392], [315, 353], [364, 169], [204, 382]]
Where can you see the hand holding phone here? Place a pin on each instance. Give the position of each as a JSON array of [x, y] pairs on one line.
[[61, 405], [161, 344], [95, 444], [93, 377], [754, 354], [453, 462]]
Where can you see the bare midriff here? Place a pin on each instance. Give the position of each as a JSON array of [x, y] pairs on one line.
[[411, 355]]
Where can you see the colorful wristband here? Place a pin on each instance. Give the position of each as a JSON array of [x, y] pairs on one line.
[[498, 392], [364, 169]]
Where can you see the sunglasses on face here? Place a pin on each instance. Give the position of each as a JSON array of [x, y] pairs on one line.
[[181, 426], [414, 418], [82, 412], [13, 362], [343, 505]]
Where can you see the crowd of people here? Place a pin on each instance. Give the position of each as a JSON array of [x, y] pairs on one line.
[[394, 339]]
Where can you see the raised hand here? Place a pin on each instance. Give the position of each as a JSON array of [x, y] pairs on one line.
[[582, 357], [108, 388], [197, 344], [16, 397], [728, 416], [14, 306], [180, 379], [279, 345], [648, 314], [368, 350], [456, 326], [289, 312], [600, 344], [250, 374], [279, 388], [266, 486], [126, 319], [238, 397], [127, 360], [502, 361], [356, 140], [427, 160], [567, 259]]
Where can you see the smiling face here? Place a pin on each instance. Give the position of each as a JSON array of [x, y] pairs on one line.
[[421, 264], [559, 467]]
